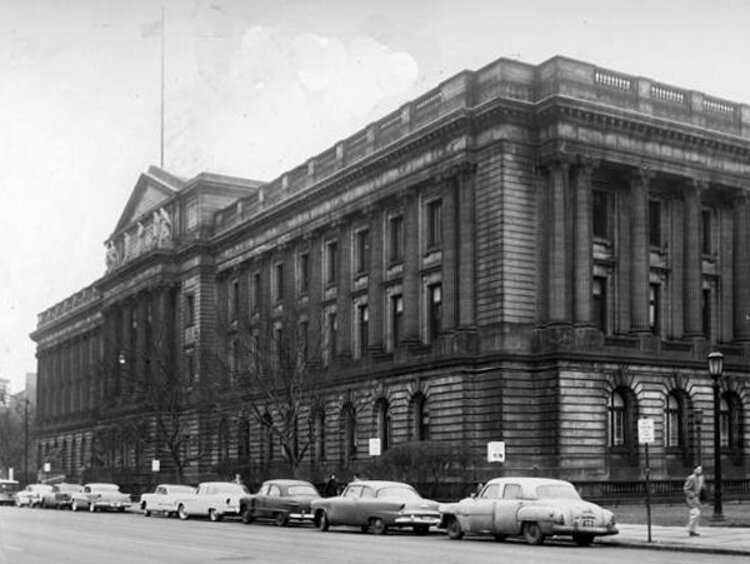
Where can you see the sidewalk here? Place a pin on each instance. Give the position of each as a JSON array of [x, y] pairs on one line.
[[712, 540]]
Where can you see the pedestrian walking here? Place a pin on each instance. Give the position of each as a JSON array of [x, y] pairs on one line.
[[693, 488]]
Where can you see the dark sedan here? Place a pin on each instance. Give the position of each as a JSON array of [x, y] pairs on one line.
[[280, 500], [377, 506]]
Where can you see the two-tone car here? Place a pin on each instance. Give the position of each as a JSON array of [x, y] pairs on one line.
[[100, 496], [280, 500], [165, 499], [31, 495], [376, 506], [60, 496], [535, 508], [214, 500]]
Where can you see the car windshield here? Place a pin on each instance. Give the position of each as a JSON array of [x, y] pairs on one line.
[[302, 490], [399, 492], [557, 492]]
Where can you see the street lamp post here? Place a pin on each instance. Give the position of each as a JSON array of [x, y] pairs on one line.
[[716, 369]]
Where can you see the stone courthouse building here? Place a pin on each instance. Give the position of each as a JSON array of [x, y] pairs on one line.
[[539, 255]]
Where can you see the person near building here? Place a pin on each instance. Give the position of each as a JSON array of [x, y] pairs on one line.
[[693, 488], [331, 487]]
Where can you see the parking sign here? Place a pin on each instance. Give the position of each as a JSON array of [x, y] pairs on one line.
[[646, 431]]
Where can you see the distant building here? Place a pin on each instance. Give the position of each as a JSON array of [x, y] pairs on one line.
[[535, 254]]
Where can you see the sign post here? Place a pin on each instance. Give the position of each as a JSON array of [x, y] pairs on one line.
[[646, 437]]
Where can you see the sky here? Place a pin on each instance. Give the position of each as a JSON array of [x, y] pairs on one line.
[[255, 88]]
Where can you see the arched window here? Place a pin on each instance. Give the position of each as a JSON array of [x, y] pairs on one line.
[[320, 434], [724, 425], [674, 435], [616, 420], [223, 441], [349, 419], [382, 411], [420, 418], [243, 438], [732, 440]]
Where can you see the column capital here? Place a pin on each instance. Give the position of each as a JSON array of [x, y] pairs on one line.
[[740, 197], [642, 175], [556, 159]]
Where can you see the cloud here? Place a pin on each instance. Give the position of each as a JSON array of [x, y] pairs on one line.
[[281, 99]]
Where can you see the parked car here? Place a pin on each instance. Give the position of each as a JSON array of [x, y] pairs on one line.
[[60, 496], [164, 499], [280, 500], [533, 507], [8, 490], [375, 506], [214, 500], [100, 496], [31, 495]]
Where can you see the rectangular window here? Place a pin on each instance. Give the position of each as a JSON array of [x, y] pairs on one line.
[[332, 249], [363, 251], [654, 223], [189, 310], [304, 338], [434, 223], [706, 313], [332, 331], [257, 292], [397, 318], [233, 299], [279, 282], [304, 273], [706, 241], [190, 366], [363, 318], [396, 239], [435, 296], [599, 303], [601, 212], [654, 301]]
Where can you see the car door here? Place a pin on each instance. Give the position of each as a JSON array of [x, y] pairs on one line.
[[261, 501], [273, 499], [479, 511], [506, 510], [160, 499], [346, 506]]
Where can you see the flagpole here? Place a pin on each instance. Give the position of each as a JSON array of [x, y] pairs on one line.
[[161, 147]]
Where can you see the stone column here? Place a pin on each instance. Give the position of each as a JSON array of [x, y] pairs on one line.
[[375, 299], [412, 262], [450, 282], [344, 291], [692, 272], [741, 269], [466, 247], [559, 243], [583, 257], [639, 246]]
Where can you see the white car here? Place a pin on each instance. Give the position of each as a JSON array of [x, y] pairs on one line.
[[165, 499], [100, 497], [536, 508], [31, 495], [214, 500]]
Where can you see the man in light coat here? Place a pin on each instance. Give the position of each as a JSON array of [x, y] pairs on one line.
[[693, 488]]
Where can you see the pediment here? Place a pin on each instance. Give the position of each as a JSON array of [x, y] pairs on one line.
[[152, 190]]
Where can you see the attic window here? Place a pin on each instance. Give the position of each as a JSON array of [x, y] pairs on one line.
[[191, 215]]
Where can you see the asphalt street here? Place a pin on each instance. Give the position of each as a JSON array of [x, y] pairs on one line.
[[31, 536]]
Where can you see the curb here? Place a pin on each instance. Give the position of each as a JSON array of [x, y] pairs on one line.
[[677, 547]]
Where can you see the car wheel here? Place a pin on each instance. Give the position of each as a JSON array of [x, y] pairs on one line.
[[454, 529], [146, 511], [533, 533], [323, 522], [74, 506], [583, 540], [181, 513], [421, 530], [378, 526], [280, 519], [247, 515]]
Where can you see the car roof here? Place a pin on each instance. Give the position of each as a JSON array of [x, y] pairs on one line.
[[530, 481], [287, 482], [99, 484], [219, 484], [377, 484], [176, 486]]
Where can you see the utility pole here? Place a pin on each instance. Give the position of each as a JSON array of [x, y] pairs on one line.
[[26, 439]]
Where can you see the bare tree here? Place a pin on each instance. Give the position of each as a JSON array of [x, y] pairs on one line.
[[273, 367]]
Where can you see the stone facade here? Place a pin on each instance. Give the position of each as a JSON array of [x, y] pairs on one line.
[[535, 254]]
